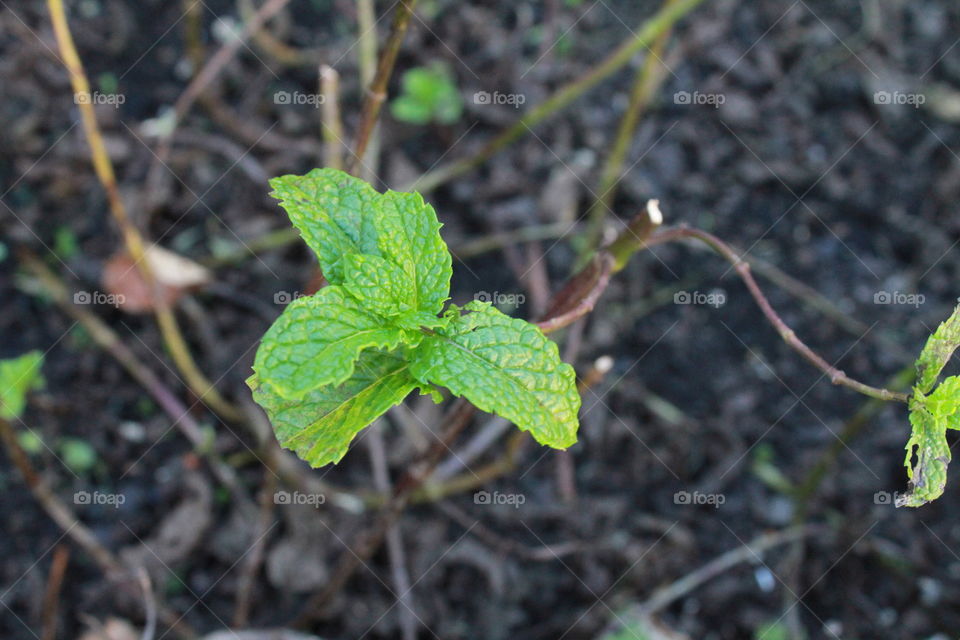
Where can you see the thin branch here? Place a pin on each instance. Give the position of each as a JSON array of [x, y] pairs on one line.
[[648, 79], [51, 595], [170, 330], [377, 91], [149, 605], [331, 126], [254, 559], [273, 46], [749, 552], [58, 511], [107, 339], [643, 37], [456, 420], [367, 62], [394, 539], [580, 294], [212, 69], [742, 268]]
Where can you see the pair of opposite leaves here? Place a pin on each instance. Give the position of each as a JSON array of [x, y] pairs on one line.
[[335, 361]]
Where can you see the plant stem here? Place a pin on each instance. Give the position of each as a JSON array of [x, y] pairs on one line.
[[367, 62], [648, 79], [377, 90], [107, 339], [578, 297], [742, 268], [330, 124], [166, 320], [807, 488], [58, 511], [749, 552], [645, 35], [278, 49], [351, 559]]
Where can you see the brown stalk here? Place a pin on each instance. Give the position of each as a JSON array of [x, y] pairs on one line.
[[169, 329], [742, 268], [377, 91], [58, 511]]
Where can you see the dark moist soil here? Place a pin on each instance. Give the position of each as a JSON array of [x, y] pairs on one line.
[[799, 164]]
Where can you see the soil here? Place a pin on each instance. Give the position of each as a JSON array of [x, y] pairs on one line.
[[787, 148]]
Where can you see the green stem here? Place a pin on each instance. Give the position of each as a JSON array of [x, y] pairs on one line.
[[648, 79], [645, 35]]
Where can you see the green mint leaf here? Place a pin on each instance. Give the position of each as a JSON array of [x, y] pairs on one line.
[[506, 366], [931, 414], [940, 346], [409, 235], [340, 216], [335, 214], [380, 285], [320, 426], [930, 418], [18, 376], [317, 340]]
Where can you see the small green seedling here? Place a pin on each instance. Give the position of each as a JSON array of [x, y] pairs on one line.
[[429, 94], [335, 361], [78, 454], [19, 376]]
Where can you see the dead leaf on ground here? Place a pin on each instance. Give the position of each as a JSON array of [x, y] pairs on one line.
[[175, 276]]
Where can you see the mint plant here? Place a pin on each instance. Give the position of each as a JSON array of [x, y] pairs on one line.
[[335, 361], [429, 94], [933, 410]]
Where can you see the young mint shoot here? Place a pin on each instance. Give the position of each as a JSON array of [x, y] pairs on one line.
[[335, 361], [429, 95]]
